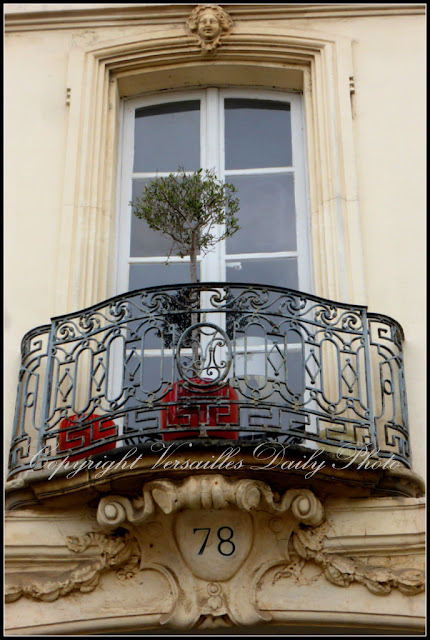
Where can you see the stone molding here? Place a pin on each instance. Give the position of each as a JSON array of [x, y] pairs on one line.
[[46, 17], [276, 536], [34, 487]]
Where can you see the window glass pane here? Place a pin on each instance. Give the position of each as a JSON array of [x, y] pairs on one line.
[[266, 357], [144, 242], [152, 275], [267, 216], [257, 134], [167, 136], [148, 373], [295, 368], [279, 273]]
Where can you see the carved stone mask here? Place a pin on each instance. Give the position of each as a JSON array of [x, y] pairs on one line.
[[208, 23], [208, 26]]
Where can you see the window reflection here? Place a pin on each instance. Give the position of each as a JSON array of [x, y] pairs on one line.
[[267, 215], [153, 275], [144, 242], [278, 273], [257, 134], [167, 136]]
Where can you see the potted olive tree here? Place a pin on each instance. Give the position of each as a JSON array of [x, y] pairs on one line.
[[186, 208], [196, 211]]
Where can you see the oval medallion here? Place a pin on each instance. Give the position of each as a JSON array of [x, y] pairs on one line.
[[204, 355]]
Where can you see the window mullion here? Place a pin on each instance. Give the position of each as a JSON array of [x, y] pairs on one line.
[[212, 266], [300, 194], [258, 172], [123, 249], [155, 174]]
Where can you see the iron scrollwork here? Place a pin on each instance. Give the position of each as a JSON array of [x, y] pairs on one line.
[[273, 363]]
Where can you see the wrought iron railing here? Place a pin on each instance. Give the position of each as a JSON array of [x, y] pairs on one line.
[[212, 360]]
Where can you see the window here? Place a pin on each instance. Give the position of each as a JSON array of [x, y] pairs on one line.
[[253, 139]]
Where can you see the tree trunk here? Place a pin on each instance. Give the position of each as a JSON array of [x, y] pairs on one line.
[[193, 265], [195, 334]]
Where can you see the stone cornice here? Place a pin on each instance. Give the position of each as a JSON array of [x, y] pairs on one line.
[[49, 556], [410, 511], [394, 544], [37, 487], [29, 19]]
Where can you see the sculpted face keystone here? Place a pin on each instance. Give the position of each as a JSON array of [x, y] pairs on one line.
[[208, 23], [208, 26]]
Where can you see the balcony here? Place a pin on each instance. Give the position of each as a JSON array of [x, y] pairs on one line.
[[212, 362]]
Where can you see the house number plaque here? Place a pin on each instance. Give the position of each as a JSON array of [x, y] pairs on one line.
[[214, 543]]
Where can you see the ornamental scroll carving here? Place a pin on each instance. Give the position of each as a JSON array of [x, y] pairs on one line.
[[208, 23], [208, 536], [207, 492]]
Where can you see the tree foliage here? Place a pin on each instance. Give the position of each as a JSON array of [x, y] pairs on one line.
[[187, 209]]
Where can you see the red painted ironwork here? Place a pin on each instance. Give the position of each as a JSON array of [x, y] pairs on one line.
[[206, 407], [69, 439]]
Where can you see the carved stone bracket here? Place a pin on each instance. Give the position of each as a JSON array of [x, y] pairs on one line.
[[207, 492], [214, 540]]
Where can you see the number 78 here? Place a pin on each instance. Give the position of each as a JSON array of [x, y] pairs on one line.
[[222, 540]]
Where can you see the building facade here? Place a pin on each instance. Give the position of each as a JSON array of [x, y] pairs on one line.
[[243, 454]]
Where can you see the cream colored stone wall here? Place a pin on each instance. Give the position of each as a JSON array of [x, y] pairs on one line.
[[371, 212], [389, 131], [389, 134], [259, 558], [35, 138], [388, 59]]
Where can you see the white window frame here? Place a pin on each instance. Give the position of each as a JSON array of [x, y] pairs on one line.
[[213, 266]]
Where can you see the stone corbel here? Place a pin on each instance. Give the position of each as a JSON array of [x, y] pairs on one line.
[[207, 492], [208, 535]]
